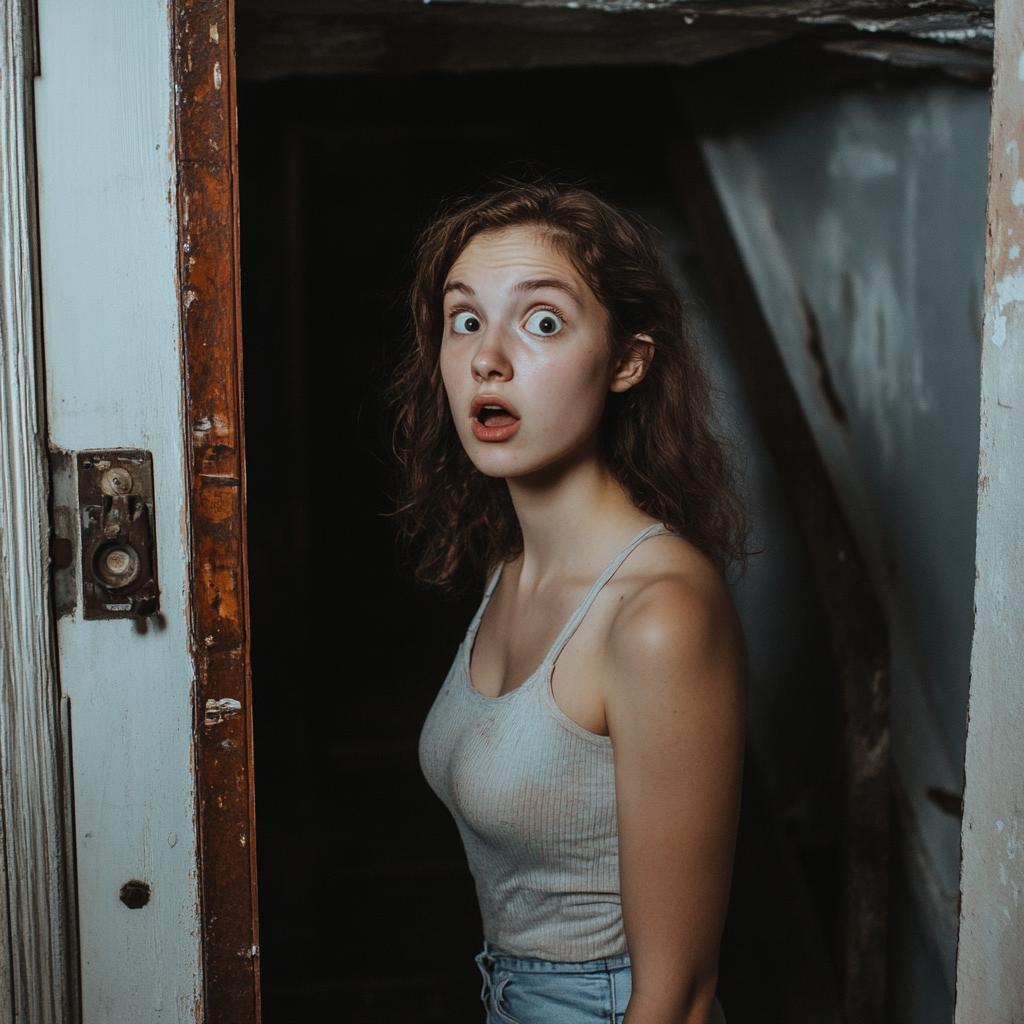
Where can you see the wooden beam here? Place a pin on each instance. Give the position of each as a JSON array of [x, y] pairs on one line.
[[857, 625], [479, 37], [204, 69], [328, 37]]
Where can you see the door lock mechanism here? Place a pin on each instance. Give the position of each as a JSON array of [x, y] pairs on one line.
[[115, 500]]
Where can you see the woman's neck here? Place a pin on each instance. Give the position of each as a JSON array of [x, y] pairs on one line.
[[573, 517]]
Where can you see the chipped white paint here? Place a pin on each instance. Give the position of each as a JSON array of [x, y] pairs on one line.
[[108, 239], [1009, 291], [36, 966], [990, 963], [218, 710]]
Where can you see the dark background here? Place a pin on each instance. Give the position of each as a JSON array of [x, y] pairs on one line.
[[367, 910]]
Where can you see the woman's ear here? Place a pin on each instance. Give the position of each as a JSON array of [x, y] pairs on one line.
[[635, 364]]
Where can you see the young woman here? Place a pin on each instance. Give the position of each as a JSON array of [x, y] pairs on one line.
[[556, 436]]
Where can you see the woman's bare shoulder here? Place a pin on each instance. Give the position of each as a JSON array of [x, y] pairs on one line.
[[674, 616]]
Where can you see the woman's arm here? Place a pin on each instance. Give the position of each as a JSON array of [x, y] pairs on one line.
[[675, 703]]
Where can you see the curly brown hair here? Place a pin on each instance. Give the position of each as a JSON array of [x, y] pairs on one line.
[[661, 439]]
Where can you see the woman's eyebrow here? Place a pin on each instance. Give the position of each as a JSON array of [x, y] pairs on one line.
[[457, 286], [535, 284]]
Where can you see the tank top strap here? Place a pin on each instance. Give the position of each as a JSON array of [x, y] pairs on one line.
[[613, 567], [492, 583]]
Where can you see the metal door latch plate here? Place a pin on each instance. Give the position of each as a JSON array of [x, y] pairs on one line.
[[115, 501]]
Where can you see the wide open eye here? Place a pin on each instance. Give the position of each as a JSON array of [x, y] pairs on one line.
[[544, 322], [466, 323]]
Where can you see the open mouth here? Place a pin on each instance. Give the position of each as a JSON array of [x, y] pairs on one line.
[[495, 416], [493, 421]]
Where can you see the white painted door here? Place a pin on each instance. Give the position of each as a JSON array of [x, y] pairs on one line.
[[113, 368], [129, 360]]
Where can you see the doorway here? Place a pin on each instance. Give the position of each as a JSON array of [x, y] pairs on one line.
[[367, 910]]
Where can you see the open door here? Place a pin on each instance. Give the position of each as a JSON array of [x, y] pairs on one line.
[[137, 268]]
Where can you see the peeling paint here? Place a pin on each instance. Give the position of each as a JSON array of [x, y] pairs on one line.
[[1009, 291], [218, 711]]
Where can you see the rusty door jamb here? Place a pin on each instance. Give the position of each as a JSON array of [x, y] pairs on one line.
[[208, 262]]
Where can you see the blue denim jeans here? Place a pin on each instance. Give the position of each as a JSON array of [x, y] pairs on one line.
[[519, 990]]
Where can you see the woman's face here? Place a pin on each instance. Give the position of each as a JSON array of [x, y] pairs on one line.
[[525, 356]]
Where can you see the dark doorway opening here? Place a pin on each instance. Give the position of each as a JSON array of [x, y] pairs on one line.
[[367, 911]]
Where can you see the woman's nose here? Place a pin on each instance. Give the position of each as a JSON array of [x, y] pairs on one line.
[[491, 359]]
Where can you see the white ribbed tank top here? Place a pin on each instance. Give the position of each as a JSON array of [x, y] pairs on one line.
[[533, 794]]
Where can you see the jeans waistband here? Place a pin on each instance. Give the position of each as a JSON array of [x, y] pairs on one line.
[[493, 957]]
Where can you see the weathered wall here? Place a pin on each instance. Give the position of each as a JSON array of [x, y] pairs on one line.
[[990, 963], [861, 217], [794, 727]]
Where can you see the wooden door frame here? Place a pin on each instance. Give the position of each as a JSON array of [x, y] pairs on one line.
[[990, 954], [208, 267]]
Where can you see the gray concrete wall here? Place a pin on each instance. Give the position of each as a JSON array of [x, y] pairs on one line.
[[861, 216]]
